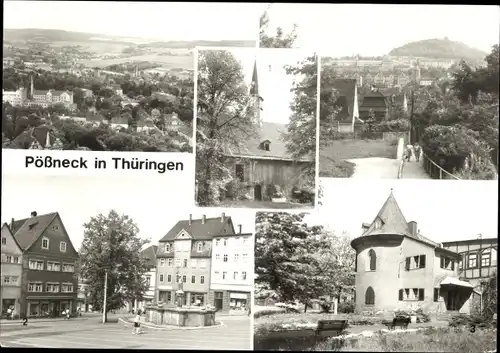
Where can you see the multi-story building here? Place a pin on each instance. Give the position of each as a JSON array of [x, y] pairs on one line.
[[49, 283], [231, 279], [12, 271], [15, 98], [183, 261], [149, 255], [478, 263], [398, 268], [53, 97]]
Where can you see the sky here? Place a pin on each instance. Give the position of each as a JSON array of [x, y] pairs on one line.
[[155, 20], [153, 205], [444, 210], [374, 30]]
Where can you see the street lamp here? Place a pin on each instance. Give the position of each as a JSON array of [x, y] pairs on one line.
[[105, 295]]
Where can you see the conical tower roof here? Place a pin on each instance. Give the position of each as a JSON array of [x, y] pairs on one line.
[[389, 220], [255, 81]]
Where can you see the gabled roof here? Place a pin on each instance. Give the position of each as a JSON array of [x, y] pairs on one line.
[[255, 80], [38, 134], [32, 228], [6, 226], [150, 255], [389, 220], [199, 231], [346, 92]]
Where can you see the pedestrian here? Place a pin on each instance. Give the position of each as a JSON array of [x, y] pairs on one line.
[[249, 310], [79, 311], [9, 314], [13, 314], [418, 151], [408, 153], [137, 325], [67, 314]]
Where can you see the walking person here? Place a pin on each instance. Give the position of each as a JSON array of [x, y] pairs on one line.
[[418, 151], [9, 314], [67, 314], [137, 325], [408, 153]]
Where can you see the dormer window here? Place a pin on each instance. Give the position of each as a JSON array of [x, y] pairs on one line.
[[45, 243], [266, 145]]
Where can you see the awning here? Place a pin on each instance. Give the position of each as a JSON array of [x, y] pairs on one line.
[[451, 281], [238, 296]]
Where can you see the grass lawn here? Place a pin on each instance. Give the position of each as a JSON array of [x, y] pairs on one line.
[[263, 204], [332, 160]]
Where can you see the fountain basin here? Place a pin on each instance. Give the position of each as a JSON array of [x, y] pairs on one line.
[[181, 316]]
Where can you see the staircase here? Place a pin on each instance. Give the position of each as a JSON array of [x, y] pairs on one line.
[[446, 315]]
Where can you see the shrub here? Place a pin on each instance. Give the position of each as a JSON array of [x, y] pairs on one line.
[[346, 307], [268, 312], [397, 125]]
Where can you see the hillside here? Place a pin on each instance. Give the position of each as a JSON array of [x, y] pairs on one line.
[[439, 48], [55, 35]]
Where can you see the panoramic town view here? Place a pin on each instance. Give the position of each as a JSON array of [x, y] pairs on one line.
[[388, 272], [182, 282], [69, 90], [256, 142]]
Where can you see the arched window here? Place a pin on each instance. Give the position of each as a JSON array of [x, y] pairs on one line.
[[373, 260], [370, 296]]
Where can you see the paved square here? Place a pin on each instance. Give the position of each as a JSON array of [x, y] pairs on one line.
[[235, 334]]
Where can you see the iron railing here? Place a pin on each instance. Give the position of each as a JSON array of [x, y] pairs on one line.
[[435, 171]]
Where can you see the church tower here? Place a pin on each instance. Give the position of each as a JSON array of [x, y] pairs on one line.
[[254, 92], [32, 88]]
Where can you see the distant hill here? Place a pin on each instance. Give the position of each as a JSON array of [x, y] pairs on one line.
[[55, 35], [439, 48]]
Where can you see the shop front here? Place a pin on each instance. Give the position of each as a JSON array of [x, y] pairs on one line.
[[238, 301], [197, 299], [49, 307]]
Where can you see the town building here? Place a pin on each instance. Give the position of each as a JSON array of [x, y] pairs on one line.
[[477, 264], [12, 272], [149, 255], [348, 120], [119, 122], [38, 138], [184, 260], [8, 61], [49, 283], [231, 281], [172, 122], [15, 98], [426, 81], [373, 102], [397, 268]]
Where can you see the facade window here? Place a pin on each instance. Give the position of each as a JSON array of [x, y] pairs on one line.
[[217, 257], [177, 262], [370, 296], [8, 259], [472, 263], [244, 276], [62, 246], [266, 146], [225, 258], [68, 268], [240, 172], [4, 240], [225, 242], [236, 257], [235, 275], [35, 287], [224, 275], [217, 275], [372, 259], [169, 278], [245, 257], [411, 294], [55, 228], [193, 279], [45, 243], [10, 280], [148, 280], [167, 247], [193, 263], [447, 263], [245, 240], [200, 247], [415, 262], [53, 287], [202, 279], [67, 288], [184, 279], [486, 258], [169, 297], [203, 264], [437, 294], [161, 278], [185, 263], [170, 262], [461, 264], [178, 278], [217, 242], [162, 262], [36, 265], [53, 266]]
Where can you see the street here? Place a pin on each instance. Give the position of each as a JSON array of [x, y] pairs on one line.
[[89, 333]]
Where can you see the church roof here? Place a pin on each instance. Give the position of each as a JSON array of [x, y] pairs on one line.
[[389, 220]]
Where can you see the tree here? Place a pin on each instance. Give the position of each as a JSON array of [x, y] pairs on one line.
[[112, 243], [226, 117], [281, 40], [300, 138]]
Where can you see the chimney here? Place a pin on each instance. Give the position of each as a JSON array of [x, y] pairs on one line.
[[239, 228], [33, 214], [413, 228], [222, 217], [12, 224], [203, 219], [190, 219]]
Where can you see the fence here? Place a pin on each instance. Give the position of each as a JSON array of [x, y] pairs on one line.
[[366, 135], [435, 171]]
